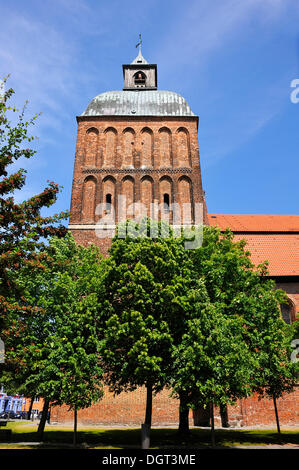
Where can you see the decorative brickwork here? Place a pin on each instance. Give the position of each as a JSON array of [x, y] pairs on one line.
[[144, 159]]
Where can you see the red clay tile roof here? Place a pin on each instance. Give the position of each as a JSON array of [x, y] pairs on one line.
[[256, 222], [280, 246]]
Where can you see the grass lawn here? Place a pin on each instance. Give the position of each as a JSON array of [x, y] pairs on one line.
[[122, 438]]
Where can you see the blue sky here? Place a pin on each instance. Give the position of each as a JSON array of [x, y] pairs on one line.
[[233, 61]]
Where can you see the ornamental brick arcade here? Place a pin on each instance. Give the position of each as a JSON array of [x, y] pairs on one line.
[[137, 149]]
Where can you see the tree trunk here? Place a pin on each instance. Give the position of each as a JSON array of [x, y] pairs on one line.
[[30, 408], [41, 426], [149, 405], [146, 427], [183, 414], [224, 416], [212, 425], [276, 414], [75, 427]]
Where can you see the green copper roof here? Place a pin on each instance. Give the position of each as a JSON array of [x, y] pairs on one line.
[[138, 103]]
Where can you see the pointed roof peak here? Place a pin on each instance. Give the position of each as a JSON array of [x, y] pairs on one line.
[[139, 59], [140, 75]]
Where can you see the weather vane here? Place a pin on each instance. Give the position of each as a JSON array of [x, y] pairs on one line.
[[139, 43]]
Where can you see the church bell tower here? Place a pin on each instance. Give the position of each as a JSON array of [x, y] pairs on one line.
[[140, 75]]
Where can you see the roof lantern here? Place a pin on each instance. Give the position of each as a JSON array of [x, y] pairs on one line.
[[139, 74]]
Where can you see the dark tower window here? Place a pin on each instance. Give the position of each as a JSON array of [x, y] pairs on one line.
[[166, 202], [139, 79], [108, 203]]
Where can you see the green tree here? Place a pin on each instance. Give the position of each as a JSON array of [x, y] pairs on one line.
[[244, 291], [147, 293], [212, 364], [294, 333], [276, 374], [23, 229], [294, 330], [58, 349]]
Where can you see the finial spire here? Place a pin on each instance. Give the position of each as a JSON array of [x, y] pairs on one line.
[[139, 59], [139, 43]]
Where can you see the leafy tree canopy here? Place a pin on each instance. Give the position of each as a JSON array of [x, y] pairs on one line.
[[22, 228], [56, 349]]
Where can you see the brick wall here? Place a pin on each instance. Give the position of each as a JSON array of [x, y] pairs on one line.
[[255, 412], [124, 409], [129, 409]]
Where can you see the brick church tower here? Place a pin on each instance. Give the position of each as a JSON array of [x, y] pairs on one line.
[[137, 154]]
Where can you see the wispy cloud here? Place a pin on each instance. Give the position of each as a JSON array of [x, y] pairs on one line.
[[198, 38], [202, 28], [39, 61]]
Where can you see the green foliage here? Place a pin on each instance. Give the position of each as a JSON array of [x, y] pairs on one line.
[[213, 362], [241, 293], [23, 229], [55, 350], [276, 374], [148, 286], [205, 321], [294, 331]]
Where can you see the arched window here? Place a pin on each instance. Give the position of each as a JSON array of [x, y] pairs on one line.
[[165, 198], [147, 194], [185, 200], [126, 200], [166, 202], [182, 148], [139, 78], [287, 312], [91, 142], [128, 148], [88, 199], [147, 144], [110, 147], [165, 147]]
